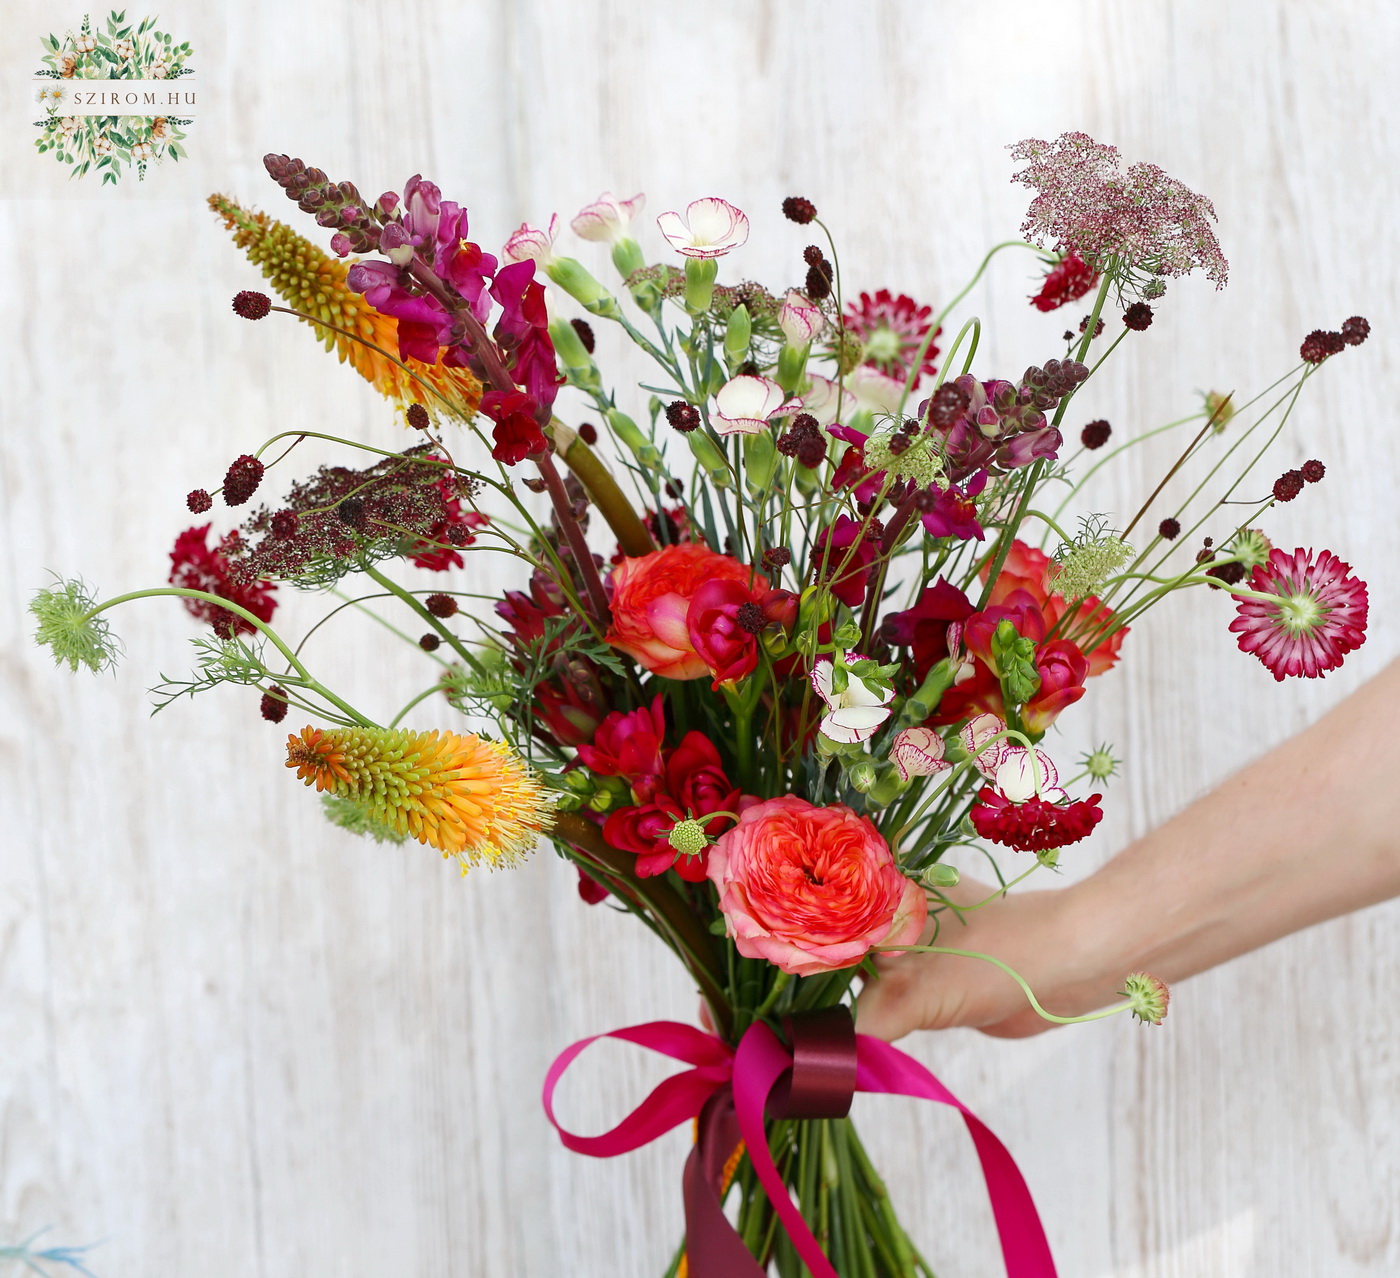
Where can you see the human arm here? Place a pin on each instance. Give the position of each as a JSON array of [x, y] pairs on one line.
[[1307, 832]]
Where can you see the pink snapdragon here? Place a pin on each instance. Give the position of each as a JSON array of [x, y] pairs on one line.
[[710, 228]]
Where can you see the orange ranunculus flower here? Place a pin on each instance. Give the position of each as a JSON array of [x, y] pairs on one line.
[[812, 889], [651, 597], [1028, 569]]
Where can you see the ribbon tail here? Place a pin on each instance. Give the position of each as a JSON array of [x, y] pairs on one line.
[[758, 1064], [713, 1248], [882, 1068]]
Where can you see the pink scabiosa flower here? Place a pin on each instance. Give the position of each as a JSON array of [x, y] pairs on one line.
[[744, 404], [855, 712], [710, 228], [812, 889], [529, 243], [918, 752], [608, 219], [890, 330], [1317, 613]]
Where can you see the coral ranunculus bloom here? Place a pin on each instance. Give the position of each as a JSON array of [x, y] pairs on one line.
[[651, 597], [812, 889]]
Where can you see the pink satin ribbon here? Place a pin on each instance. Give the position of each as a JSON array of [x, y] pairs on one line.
[[725, 1088]]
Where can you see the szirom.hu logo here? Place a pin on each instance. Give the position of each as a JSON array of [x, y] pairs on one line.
[[108, 101]]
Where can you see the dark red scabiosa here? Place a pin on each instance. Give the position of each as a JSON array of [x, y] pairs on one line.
[[776, 558], [195, 565], [1319, 344], [1169, 529], [1317, 613], [682, 416], [1231, 574], [242, 479], [273, 706], [417, 417], [820, 274], [1067, 281], [429, 642], [440, 605], [251, 305], [284, 524], [1138, 317], [1288, 485], [1356, 330], [799, 210], [1313, 471], [516, 433], [889, 331], [1035, 825], [199, 501], [588, 432], [585, 334], [1095, 434]]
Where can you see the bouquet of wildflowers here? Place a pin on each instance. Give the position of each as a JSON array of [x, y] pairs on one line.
[[795, 627]]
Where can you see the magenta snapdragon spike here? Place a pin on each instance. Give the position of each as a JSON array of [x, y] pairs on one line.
[[1317, 614], [1143, 218]]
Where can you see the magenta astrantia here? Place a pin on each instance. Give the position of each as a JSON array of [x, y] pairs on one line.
[[1316, 616]]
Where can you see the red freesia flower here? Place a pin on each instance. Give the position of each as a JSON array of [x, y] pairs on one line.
[[1035, 825], [517, 433], [197, 566], [924, 627], [628, 745], [842, 554]]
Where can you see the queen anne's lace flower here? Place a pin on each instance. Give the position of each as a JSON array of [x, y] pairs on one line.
[[1143, 219]]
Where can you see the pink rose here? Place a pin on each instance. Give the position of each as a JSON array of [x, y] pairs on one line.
[[812, 889], [651, 599]]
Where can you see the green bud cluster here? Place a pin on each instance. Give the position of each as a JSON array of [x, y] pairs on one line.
[[69, 632]]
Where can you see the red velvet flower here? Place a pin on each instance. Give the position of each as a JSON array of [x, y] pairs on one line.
[[1035, 825], [197, 566]]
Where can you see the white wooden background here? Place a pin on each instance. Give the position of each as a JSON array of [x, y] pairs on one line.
[[234, 1042]]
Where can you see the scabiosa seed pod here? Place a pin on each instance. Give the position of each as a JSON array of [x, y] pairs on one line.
[[1231, 574], [588, 432], [819, 281], [251, 305], [242, 479], [812, 255], [1095, 434], [1169, 529], [1288, 485], [198, 501], [811, 450], [417, 417], [441, 605], [585, 333], [1147, 997], [285, 523], [1319, 344], [1355, 331], [799, 210], [1313, 471], [430, 642], [777, 557], [1138, 316], [684, 417], [274, 704]]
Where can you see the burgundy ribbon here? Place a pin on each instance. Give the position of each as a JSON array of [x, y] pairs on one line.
[[728, 1090]]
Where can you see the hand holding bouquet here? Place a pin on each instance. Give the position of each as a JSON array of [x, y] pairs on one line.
[[818, 646]]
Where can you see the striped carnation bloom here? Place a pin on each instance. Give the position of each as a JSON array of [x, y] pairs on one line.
[[472, 799], [1316, 616]]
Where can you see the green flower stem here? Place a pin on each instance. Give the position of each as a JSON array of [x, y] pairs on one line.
[[632, 536], [694, 944], [369, 612], [779, 985], [257, 623], [421, 697], [448, 637], [1013, 974], [1008, 532]]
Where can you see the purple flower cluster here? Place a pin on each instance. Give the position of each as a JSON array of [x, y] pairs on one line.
[[1142, 218]]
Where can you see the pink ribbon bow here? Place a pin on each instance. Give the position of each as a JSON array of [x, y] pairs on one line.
[[728, 1090]]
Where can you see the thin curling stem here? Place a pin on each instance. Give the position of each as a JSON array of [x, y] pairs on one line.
[[1014, 975], [1180, 462]]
